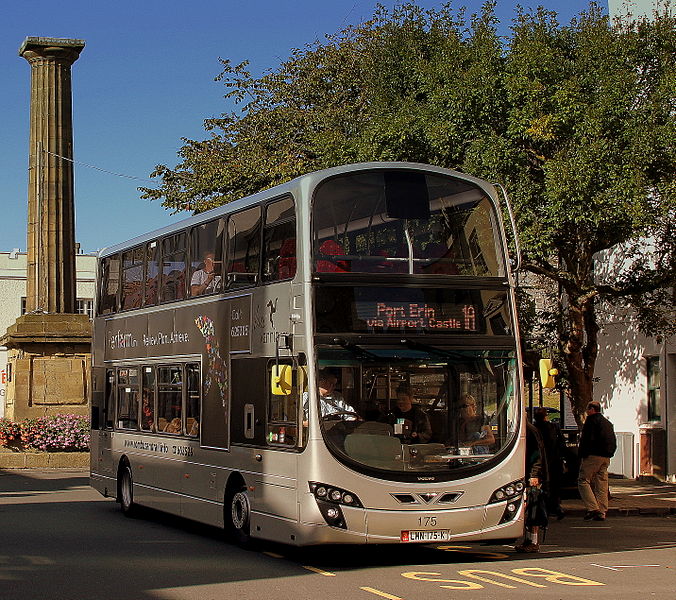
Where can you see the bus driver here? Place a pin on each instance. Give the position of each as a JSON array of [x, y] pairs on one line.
[[331, 402]]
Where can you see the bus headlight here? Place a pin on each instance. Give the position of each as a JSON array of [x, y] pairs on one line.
[[329, 501], [336, 495], [508, 492]]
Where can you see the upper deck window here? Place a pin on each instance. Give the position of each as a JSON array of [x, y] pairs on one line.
[[279, 241], [132, 279], [206, 264], [109, 284], [173, 267], [244, 247], [405, 222]]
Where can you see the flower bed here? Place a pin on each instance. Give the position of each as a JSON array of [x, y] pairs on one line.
[[56, 433]]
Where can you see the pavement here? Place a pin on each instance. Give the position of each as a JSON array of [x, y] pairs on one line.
[[630, 497]]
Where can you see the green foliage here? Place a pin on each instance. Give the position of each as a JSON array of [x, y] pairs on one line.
[[577, 121]]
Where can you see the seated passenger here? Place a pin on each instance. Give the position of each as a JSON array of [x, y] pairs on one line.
[[474, 431], [205, 280], [410, 422]]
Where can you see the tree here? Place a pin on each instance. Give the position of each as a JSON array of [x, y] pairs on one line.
[[577, 121]]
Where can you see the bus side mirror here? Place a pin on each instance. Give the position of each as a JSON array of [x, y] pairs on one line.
[[281, 382], [547, 373]]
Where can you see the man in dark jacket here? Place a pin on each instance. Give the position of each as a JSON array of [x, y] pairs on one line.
[[597, 446]]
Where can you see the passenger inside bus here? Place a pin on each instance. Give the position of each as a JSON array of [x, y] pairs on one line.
[[206, 280], [474, 430], [410, 422]]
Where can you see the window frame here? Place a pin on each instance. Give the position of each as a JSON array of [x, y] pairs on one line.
[[232, 282], [653, 389], [267, 229], [163, 256]]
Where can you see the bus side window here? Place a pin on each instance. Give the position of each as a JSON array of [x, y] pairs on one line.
[[284, 404], [206, 258], [151, 272], [148, 399], [192, 402], [173, 267], [127, 398], [169, 398], [110, 284], [131, 294], [279, 241], [244, 248]]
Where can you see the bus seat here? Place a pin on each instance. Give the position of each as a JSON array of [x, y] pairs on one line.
[[374, 428], [174, 426], [330, 248], [374, 450], [192, 426], [287, 259], [161, 424]]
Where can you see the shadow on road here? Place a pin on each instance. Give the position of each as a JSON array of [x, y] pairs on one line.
[[80, 546]]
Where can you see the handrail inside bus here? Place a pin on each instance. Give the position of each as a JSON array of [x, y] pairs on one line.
[[517, 247]]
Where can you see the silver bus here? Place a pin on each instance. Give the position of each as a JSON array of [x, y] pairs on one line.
[[333, 360]]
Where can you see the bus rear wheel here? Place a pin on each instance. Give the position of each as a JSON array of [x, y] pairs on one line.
[[126, 491], [238, 516]]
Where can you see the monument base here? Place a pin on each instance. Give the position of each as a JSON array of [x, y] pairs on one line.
[[48, 365]]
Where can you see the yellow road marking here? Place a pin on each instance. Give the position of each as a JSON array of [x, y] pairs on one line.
[[273, 555], [315, 570], [379, 593]]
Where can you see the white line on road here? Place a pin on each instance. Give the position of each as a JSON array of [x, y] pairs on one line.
[[618, 567]]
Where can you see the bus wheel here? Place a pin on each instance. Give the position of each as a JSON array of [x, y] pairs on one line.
[[238, 516], [126, 493]]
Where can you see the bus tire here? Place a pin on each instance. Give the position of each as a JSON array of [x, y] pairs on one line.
[[126, 491], [238, 515]]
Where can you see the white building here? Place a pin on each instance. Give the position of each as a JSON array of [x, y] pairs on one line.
[[637, 374], [13, 297]]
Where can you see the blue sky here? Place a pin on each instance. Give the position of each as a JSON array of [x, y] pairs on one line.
[[145, 80]]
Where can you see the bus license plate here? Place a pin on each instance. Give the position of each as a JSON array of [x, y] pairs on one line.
[[430, 535]]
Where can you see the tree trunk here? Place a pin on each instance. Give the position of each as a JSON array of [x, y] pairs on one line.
[[579, 348]]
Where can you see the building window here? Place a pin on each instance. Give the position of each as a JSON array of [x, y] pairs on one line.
[[653, 371], [85, 306]]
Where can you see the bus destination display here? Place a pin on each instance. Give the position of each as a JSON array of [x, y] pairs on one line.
[[399, 310], [403, 316]]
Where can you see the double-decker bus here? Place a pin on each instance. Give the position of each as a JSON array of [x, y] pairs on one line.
[[333, 360]]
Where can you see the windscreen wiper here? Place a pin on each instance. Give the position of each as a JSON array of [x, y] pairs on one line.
[[355, 349], [413, 345]]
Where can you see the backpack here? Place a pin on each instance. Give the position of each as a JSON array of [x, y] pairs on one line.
[[536, 508]]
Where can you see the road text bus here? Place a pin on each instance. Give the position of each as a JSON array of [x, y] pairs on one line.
[[333, 360]]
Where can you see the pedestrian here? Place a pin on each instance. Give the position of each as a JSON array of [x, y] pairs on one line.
[[536, 472], [597, 447], [555, 449]]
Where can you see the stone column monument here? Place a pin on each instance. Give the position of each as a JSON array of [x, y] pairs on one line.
[[49, 346]]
